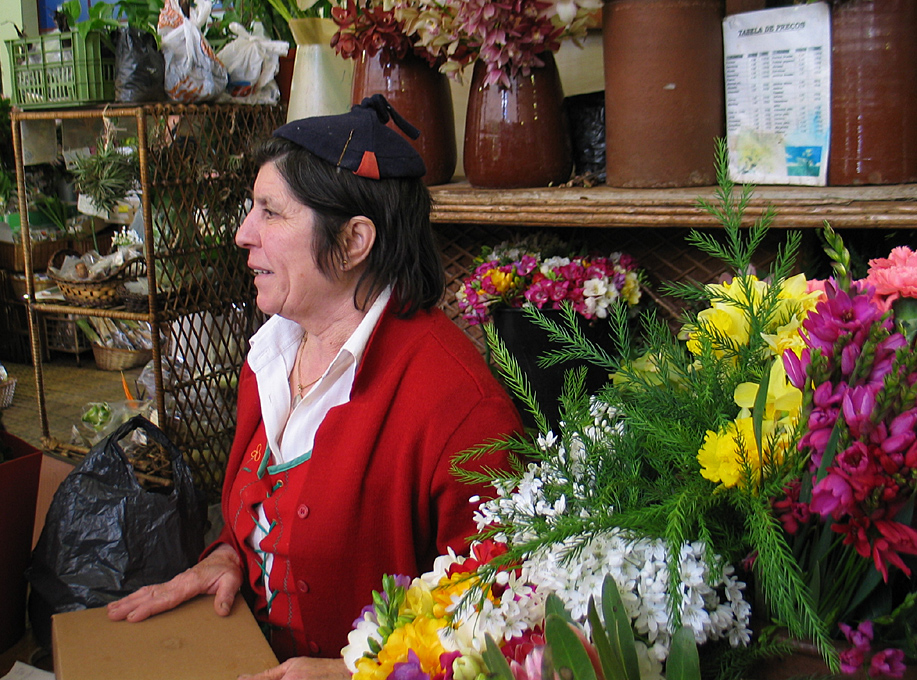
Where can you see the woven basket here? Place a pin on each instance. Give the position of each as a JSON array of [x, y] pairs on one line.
[[115, 359], [99, 293], [7, 389]]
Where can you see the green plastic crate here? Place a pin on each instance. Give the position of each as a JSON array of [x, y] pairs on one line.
[[58, 70]]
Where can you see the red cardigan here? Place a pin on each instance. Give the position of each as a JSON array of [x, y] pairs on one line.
[[379, 491]]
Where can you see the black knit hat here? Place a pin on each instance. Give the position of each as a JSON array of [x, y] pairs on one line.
[[360, 140]]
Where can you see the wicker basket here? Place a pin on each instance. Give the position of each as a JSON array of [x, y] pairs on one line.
[[7, 389], [115, 359], [98, 293]]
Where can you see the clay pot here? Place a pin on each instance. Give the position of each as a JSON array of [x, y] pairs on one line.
[[873, 92], [517, 136], [421, 94], [664, 103]]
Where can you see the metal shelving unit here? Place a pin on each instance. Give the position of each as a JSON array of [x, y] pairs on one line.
[[196, 172]]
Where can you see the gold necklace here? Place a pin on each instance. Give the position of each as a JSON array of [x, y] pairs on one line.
[[298, 366]]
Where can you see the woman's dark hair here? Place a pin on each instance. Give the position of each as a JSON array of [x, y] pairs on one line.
[[404, 255]]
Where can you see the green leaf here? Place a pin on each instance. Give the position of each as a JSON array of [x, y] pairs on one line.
[[618, 628], [567, 649], [554, 605], [612, 663], [495, 661], [757, 418], [684, 661]]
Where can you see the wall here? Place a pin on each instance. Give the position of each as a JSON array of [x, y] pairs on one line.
[[21, 13]]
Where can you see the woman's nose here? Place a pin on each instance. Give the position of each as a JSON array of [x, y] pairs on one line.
[[245, 231]]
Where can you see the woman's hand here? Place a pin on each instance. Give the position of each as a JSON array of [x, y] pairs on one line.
[[219, 574], [304, 668]]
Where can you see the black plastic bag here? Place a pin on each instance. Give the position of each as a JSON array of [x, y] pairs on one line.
[[105, 536], [586, 113], [140, 67]]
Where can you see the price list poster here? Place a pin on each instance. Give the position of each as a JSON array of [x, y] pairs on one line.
[[778, 94]]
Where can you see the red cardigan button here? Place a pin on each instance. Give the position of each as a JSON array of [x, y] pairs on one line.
[[302, 586], [302, 511]]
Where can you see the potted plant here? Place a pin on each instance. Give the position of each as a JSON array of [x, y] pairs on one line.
[[105, 177]]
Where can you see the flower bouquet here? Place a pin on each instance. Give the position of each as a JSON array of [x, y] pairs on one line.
[[541, 272], [450, 34], [448, 623], [751, 481]]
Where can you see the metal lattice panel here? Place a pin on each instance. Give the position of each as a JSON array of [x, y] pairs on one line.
[[200, 173]]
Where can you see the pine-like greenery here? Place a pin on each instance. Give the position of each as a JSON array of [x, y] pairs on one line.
[[645, 477]]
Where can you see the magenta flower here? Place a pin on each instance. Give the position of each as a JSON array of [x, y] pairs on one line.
[[840, 316], [853, 461], [445, 662], [888, 663], [795, 367], [860, 637], [831, 496], [857, 406], [851, 660]]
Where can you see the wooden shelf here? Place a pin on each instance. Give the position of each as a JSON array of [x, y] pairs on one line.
[[871, 207]]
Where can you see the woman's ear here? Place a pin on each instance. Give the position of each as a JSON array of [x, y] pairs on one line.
[[359, 236]]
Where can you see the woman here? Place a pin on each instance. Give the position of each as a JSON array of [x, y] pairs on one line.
[[355, 396]]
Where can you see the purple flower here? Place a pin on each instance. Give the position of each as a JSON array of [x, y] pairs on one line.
[[408, 670], [888, 662]]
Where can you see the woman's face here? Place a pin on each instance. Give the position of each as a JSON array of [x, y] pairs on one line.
[[277, 233]]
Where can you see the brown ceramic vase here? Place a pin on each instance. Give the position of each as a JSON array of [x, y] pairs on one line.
[[517, 136], [873, 92], [421, 94], [664, 103]]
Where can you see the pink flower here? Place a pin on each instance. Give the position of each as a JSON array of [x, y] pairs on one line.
[[530, 667], [888, 662], [894, 276]]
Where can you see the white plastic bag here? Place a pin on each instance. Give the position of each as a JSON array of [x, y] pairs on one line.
[[252, 60], [193, 71]]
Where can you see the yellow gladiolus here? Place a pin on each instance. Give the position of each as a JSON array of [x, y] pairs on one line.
[[782, 397], [724, 453], [726, 320]]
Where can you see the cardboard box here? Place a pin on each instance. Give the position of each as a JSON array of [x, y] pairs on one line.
[[191, 642]]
